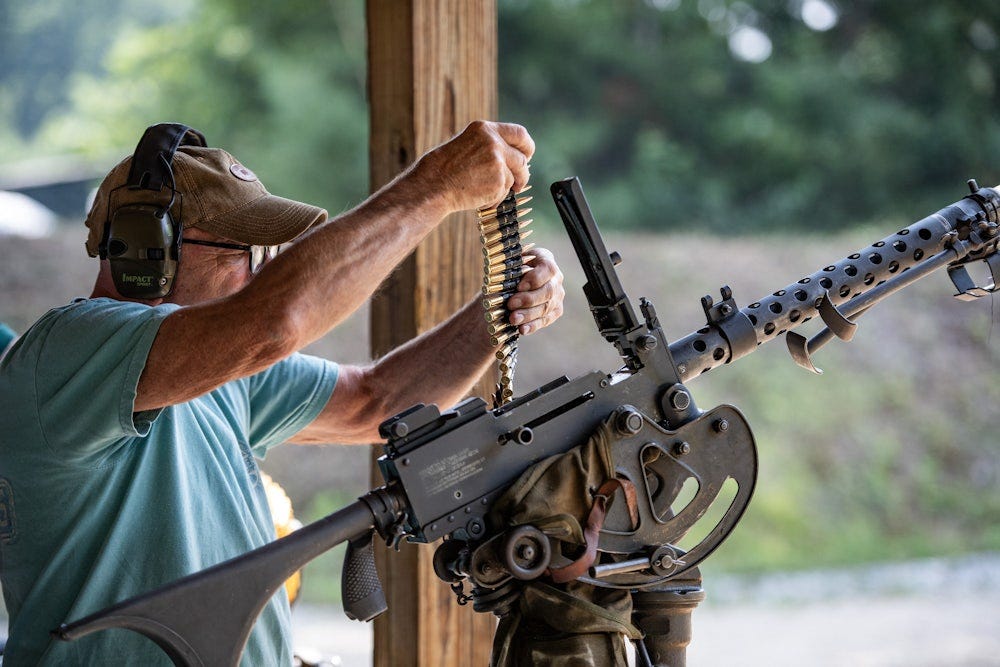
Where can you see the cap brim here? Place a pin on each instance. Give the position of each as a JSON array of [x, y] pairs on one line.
[[267, 220]]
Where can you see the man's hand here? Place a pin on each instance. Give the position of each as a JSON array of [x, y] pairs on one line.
[[539, 298], [479, 166]]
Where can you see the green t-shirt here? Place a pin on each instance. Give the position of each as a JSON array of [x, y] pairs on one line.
[[98, 504]]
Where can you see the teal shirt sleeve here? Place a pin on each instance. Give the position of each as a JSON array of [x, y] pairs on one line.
[[89, 357], [287, 397], [7, 337]]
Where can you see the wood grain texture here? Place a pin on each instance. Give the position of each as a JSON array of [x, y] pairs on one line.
[[432, 70]]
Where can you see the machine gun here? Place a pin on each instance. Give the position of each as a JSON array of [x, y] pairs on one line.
[[444, 471]]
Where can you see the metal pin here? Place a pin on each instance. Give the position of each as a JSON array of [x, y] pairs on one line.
[[622, 567]]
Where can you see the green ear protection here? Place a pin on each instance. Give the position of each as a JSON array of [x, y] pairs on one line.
[[142, 240]]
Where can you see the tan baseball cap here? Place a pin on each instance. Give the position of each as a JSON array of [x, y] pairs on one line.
[[215, 193]]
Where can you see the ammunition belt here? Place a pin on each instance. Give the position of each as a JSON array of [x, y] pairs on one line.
[[504, 262]]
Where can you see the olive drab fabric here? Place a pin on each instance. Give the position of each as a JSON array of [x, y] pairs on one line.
[[572, 624]]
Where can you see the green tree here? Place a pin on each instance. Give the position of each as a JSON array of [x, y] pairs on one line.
[[673, 120], [282, 89]]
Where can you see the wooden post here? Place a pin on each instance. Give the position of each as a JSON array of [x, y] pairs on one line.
[[431, 71]]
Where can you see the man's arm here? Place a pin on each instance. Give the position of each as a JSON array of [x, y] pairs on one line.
[[439, 367], [328, 274]]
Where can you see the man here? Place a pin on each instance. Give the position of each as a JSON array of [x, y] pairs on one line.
[[7, 338], [130, 425]]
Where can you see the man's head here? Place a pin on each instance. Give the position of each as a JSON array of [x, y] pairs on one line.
[[210, 196]]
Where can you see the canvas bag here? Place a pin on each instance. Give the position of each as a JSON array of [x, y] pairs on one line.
[[563, 624]]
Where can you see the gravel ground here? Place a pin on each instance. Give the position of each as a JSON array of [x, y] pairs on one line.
[[930, 613]]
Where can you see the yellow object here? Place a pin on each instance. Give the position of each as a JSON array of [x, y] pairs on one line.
[[284, 523]]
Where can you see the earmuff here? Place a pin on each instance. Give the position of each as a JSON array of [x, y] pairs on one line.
[[142, 240]]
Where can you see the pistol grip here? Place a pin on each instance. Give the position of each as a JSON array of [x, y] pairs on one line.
[[359, 582]]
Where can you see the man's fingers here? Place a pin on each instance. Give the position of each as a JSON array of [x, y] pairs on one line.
[[538, 301], [529, 320], [543, 270], [517, 137], [517, 164], [519, 148]]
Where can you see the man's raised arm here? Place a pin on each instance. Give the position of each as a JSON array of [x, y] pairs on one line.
[[327, 274]]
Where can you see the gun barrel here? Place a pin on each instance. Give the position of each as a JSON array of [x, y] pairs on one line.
[[965, 229]]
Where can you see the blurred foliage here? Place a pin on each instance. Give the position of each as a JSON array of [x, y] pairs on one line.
[[715, 114], [891, 106], [281, 89]]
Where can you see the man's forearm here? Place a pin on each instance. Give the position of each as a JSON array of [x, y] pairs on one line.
[[440, 366], [323, 278], [327, 275]]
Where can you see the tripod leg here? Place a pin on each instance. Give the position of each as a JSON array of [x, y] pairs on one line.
[[663, 614]]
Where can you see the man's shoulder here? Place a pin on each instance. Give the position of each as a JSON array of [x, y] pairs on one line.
[[104, 307], [90, 315]]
